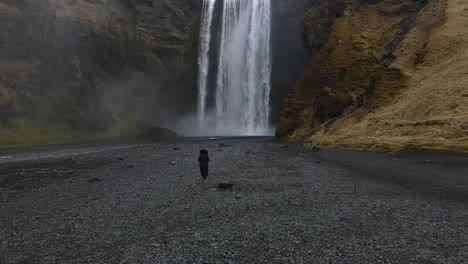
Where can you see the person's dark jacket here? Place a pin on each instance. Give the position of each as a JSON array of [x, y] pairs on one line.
[[203, 159]]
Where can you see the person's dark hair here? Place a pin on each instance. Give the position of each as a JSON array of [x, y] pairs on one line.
[[203, 151]]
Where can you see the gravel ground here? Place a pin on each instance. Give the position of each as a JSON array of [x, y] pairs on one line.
[[147, 204]]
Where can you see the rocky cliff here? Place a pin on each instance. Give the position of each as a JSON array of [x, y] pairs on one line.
[[83, 69], [289, 56], [384, 74]]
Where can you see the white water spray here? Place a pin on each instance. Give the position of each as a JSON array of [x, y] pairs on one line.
[[203, 57], [244, 68]]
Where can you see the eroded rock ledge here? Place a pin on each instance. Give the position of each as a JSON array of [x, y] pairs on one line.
[[376, 80]]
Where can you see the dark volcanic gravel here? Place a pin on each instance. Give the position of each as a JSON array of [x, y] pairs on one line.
[[147, 204]]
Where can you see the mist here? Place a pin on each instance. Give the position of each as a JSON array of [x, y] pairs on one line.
[[191, 126], [93, 68]]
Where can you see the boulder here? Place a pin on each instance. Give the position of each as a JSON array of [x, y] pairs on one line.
[[225, 186]]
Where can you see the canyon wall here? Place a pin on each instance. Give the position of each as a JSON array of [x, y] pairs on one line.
[[81, 69], [289, 56], [383, 74], [379, 74]]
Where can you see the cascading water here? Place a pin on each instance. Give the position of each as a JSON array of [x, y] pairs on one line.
[[242, 99], [203, 57]]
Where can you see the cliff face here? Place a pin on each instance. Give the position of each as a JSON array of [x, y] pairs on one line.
[[89, 68], [384, 74], [289, 56]]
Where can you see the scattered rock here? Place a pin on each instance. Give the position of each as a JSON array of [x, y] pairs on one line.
[[201, 207], [248, 152], [173, 163], [316, 149], [176, 148], [225, 186], [214, 245], [93, 180], [285, 146], [222, 145], [120, 158]]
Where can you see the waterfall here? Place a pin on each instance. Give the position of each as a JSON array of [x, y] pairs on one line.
[[242, 94], [203, 58]]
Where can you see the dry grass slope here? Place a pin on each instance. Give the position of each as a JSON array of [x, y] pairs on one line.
[[432, 112]]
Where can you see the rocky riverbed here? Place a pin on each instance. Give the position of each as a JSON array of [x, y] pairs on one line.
[[145, 203]]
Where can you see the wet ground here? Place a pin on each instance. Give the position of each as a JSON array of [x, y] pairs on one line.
[[145, 203]]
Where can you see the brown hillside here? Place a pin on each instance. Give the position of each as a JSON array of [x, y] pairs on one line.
[[391, 75]]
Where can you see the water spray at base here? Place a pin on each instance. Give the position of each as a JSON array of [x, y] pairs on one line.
[[242, 92]]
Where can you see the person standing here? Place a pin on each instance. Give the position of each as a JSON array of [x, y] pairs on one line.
[[203, 160]]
